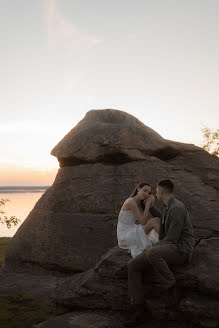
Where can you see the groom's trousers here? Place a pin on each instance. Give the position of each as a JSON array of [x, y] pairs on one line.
[[153, 268]]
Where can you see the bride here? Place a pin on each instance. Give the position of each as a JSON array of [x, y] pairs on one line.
[[138, 206]]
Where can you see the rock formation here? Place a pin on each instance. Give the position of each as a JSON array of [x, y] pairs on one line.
[[105, 286], [71, 231]]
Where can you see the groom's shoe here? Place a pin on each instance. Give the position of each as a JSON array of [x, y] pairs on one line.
[[138, 317], [155, 292]]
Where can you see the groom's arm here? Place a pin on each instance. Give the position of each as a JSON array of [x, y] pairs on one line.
[[155, 212], [176, 218]]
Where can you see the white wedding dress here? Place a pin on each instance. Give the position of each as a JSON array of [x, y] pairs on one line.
[[131, 235]]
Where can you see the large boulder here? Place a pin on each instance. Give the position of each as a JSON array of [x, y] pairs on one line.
[[101, 160]]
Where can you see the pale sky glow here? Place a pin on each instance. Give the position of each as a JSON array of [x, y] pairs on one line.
[[155, 59]]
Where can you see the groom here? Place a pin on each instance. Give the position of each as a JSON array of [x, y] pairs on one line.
[[175, 246]]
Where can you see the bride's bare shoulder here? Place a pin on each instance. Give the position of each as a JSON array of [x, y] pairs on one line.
[[128, 204]]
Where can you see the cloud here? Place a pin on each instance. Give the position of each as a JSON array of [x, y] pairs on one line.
[[95, 41], [61, 30]]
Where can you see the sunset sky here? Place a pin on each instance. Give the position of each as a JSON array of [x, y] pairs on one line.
[[155, 59]]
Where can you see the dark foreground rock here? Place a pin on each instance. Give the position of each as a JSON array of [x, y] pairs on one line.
[[106, 319], [104, 289], [89, 319], [26, 300]]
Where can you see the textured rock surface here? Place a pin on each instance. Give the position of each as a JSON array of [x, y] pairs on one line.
[[71, 231], [84, 320], [108, 136], [74, 222], [105, 286], [106, 319], [40, 287], [60, 242]]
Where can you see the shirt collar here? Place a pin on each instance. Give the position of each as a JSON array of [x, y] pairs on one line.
[[169, 202]]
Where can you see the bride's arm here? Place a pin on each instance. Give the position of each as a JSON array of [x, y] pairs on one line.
[[149, 216], [142, 217]]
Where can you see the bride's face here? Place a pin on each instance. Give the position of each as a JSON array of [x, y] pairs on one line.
[[145, 192]]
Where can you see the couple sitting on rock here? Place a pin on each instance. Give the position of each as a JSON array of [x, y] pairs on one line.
[[157, 242]]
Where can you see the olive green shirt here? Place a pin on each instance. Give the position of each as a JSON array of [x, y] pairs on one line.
[[175, 227]]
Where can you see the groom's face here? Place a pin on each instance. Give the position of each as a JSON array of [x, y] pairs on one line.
[[159, 193]]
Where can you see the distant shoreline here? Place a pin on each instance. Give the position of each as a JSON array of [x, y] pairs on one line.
[[22, 189]]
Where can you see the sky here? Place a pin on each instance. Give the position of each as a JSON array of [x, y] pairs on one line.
[[154, 59]]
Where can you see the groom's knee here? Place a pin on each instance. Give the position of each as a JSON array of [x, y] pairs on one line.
[[153, 253], [138, 263]]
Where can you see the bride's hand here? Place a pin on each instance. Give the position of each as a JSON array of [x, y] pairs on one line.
[[149, 201]]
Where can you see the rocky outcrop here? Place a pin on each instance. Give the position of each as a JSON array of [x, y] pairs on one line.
[[71, 231], [102, 290], [89, 319], [105, 286], [101, 160]]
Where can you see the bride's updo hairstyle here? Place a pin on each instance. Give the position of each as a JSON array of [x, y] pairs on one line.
[[140, 185]]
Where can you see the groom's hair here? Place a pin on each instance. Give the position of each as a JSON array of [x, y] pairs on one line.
[[167, 184]]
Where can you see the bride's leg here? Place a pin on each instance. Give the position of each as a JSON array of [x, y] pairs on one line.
[[152, 223], [157, 224]]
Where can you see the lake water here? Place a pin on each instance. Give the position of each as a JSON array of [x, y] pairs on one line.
[[22, 201]]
